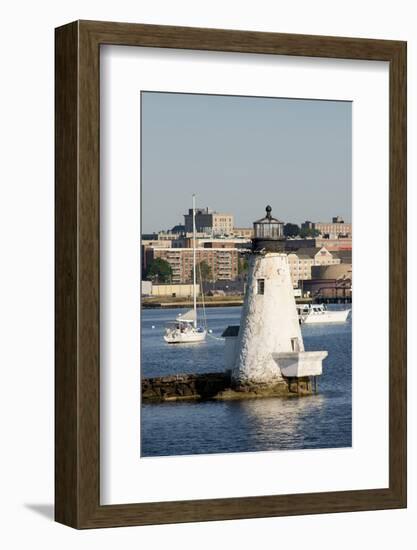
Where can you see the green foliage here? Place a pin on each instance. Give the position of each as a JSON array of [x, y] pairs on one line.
[[204, 273], [291, 230], [159, 271], [242, 266], [305, 232]]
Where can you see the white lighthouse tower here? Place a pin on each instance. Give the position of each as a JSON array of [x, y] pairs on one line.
[[269, 345]]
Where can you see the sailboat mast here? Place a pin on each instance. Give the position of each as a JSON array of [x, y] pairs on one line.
[[194, 268]]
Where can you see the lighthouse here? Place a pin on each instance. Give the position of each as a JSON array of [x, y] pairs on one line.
[[267, 348]]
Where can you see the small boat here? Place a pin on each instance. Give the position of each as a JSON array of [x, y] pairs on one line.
[[318, 313], [185, 328]]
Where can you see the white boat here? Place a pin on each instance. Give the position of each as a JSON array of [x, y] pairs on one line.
[[318, 313], [185, 329]]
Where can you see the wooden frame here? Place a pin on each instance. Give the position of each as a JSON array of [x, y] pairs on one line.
[[77, 373]]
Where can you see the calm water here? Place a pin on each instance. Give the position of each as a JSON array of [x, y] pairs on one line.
[[318, 421]]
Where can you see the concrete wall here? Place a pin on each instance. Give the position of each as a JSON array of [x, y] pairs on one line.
[[180, 291], [146, 288]]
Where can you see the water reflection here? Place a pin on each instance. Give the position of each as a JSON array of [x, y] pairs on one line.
[[318, 421]]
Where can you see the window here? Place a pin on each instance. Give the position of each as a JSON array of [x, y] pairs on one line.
[[295, 344], [261, 286]]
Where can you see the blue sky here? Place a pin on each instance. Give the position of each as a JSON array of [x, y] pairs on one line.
[[238, 154]]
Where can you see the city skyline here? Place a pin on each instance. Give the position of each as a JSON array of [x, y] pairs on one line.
[[235, 153], [247, 226]]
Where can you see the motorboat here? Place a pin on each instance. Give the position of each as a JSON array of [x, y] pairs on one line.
[[318, 313]]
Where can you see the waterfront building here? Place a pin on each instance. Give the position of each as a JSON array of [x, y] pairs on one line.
[[301, 262], [330, 282], [338, 271], [209, 221], [337, 227], [332, 245], [268, 344], [223, 262]]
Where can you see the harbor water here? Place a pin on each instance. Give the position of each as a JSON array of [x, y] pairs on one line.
[[321, 421]]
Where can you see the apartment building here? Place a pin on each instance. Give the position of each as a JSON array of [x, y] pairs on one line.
[[223, 262]]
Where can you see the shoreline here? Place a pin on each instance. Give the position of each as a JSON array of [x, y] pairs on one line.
[[217, 303], [152, 303], [235, 302]]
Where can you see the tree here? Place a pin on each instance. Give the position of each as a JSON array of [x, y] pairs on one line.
[[159, 271], [291, 230], [242, 266], [203, 273], [306, 232]]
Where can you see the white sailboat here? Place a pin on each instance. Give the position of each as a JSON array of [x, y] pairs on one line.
[[185, 329]]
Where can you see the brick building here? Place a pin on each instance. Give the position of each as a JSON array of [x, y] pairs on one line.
[[223, 262]]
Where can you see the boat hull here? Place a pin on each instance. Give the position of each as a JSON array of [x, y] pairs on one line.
[[326, 317], [186, 338]]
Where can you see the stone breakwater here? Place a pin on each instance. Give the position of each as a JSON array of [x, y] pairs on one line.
[[217, 385]]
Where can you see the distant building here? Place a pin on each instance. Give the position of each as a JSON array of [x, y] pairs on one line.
[[149, 236], [225, 243], [156, 243], [303, 260], [337, 271], [223, 262], [208, 221], [332, 282], [336, 228], [345, 256], [147, 245], [243, 232], [332, 245], [168, 235], [178, 229], [307, 225], [186, 240]]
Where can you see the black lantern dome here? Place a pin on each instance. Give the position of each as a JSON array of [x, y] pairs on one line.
[[268, 233]]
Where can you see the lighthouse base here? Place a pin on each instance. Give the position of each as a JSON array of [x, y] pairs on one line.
[[219, 386], [299, 364]]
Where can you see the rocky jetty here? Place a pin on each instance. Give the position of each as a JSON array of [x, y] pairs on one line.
[[217, 385]]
